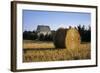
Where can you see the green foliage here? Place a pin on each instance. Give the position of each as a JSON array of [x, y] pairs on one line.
[[85, 34], [28, 35]]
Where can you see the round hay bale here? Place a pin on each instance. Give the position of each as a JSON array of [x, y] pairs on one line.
[[72, 39], [59, 38]]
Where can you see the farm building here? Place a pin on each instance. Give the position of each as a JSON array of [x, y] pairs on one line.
[[42, 29]]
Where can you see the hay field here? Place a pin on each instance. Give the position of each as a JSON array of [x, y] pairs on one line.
[[29, 44], [36, 51]]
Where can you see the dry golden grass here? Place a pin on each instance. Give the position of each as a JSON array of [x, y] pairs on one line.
[[32, 55], [37, 44]]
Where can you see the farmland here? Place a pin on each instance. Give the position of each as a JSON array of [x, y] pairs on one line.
[[36, 51]]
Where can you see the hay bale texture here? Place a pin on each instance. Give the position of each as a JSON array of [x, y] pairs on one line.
[[59, 38], [67, 38], [72, 40]]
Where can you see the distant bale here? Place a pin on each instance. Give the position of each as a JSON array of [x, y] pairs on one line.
[[72, 40], [59, 38]]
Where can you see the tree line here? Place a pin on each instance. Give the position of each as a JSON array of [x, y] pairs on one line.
[[84, 33], [32, 35]]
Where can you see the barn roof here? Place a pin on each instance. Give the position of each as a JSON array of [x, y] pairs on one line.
[[43, 28]]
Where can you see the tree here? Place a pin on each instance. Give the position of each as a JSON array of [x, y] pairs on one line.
[[29, 35], [85, 34], [41, 37]]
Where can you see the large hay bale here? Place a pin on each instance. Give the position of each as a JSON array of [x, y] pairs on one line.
[[72, 40], [59, 38]]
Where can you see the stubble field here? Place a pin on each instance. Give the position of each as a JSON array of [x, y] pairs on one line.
[[37, 51]]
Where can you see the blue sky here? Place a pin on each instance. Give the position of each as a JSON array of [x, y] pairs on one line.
[[32, 18]]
